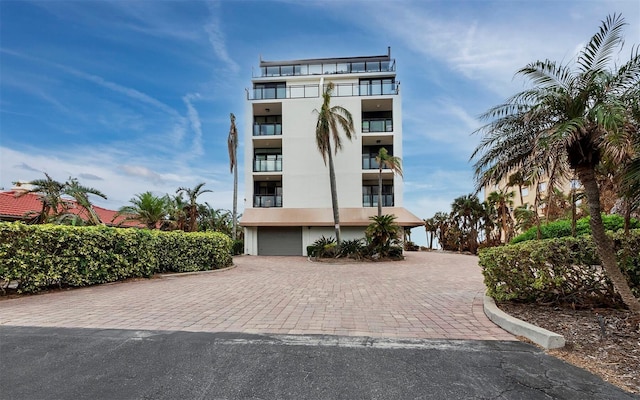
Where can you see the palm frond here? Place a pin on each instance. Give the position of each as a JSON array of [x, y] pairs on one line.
[[599, 51]]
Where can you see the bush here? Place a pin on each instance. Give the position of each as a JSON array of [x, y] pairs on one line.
[[39, 256], [562, 228], [355, 248], [179, 251], [238, 247], [323, 247], [559, 271]]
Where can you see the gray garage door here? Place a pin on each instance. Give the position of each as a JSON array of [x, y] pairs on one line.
[[274, 241]]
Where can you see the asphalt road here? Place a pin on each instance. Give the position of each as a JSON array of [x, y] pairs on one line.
[[71, 363]]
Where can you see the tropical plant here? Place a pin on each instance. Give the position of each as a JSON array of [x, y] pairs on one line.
[[192, 195], [386, 161], [382, 234], [431, 229], [582, 114], [502, 201], [81, 194], [467, 213], [232, 144], [146, 208], [49, 192], [331, 120]]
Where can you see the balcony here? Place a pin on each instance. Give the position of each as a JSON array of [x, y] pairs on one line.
[[267, 163], [369, 154], [377, 125], [311, 91], [267, 129], [328, 68], [266, 201]]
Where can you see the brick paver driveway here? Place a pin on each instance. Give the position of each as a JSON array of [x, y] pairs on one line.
[[428, 296]]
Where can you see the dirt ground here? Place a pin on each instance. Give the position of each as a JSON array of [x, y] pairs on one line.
[[605, 342]]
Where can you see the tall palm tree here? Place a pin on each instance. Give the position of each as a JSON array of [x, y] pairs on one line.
[[330, 121], [232, 143], [146, 208], [81, 194], [386, 161], [192, 195], [431, 228], [584, 112]]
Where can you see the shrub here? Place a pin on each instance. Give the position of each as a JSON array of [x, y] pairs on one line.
[[324, 247], [238, 247], [562, 228], [354, 248], [39, 256], [559, 271]]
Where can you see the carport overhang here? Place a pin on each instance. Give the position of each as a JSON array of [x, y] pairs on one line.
[[323, 216]]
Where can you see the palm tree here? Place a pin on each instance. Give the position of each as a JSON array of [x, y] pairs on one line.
[[192, 195], [49, 192], [381, 232], [431, 228], [583, 112], [232, 143], [330, 121], [386, 161], [467, 211], [502, 201], [177, 209], [146, 208], [81, 194]]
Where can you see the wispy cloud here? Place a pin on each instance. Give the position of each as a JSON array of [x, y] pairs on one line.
[[90, 177], [27, 167], [217, 38], [194, 120]]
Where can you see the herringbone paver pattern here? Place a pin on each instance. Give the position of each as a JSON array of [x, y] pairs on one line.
[[429, 296]]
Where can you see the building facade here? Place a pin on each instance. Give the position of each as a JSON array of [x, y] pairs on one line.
[[288, 198]]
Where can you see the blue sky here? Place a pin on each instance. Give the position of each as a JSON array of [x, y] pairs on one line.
[[131, 96]]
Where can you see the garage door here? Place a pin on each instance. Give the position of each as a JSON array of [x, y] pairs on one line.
[[280, 241]]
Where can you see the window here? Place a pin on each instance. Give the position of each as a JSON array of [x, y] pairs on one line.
[[542, 186], [376, 87], [525, 191], [271, 90], [377, 121], [267, 194], [267, 160], [370, 194], [369, 154], [267, 125]]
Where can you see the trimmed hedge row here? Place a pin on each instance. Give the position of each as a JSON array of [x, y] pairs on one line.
[[559, 271], [39, 256]]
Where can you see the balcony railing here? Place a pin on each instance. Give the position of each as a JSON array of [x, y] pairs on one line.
[[377, 125], [369, 163], [267, 129], [371, 200], [329, 68], [267, 165], [309, 91], [266, 201]]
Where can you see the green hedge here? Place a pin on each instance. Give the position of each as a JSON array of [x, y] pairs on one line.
[[559, 271], [39, 256], [562, 228]]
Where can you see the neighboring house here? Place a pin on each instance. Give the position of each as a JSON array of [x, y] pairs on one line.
[[15, 205], [288, 198], [529, 191]]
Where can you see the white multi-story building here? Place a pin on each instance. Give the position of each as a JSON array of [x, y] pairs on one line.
[[288, 197]]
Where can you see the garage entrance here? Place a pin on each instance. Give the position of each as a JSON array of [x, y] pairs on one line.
[[279, 241]]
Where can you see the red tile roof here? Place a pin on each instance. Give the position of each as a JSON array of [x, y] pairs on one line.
[[15, 206]]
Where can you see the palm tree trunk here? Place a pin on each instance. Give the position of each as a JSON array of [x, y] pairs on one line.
[[380, 189], [234, 232], [334, 194], [573, 212], [604, 245]]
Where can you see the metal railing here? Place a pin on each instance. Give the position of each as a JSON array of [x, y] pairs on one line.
[[267, 165], [267, 129], [266, 201], [310, 91]]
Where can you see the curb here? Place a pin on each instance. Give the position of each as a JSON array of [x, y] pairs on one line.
[[540, 336], [209, 271]]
